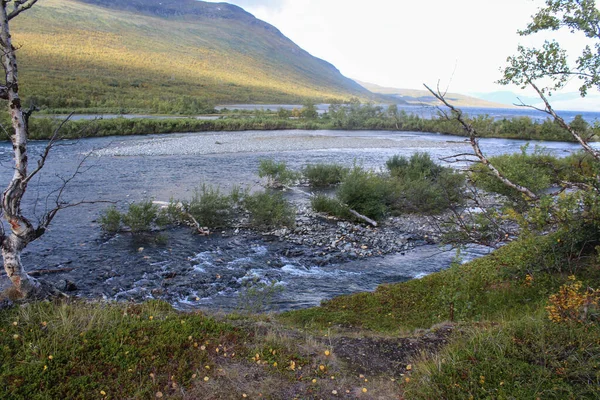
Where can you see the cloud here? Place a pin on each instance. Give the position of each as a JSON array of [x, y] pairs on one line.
[[462, 43]]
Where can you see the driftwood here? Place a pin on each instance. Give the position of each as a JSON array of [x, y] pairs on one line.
[[40, 272], [200, 229], [353, 212]]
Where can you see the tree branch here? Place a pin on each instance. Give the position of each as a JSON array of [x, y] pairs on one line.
[[550, 111], [49, 146], [20, 6], [473, 138]]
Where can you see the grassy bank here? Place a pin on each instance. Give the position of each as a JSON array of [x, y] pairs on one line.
[[518, 128], [503, 345]]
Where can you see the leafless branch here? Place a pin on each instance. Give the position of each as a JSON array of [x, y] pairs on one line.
[[49, 146], [20, 6], [550, 111], [474, 139], [59, 204]]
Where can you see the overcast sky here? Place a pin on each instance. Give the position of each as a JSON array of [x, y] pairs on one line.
[[403, 44]]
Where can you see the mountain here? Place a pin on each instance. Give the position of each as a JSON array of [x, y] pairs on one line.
[[150, 53], [414, 96]]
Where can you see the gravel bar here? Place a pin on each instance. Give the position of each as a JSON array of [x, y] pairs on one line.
[[266, 141]]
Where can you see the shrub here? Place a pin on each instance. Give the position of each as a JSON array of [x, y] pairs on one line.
[[430, 195], [210, 207], [258, 296], [420, 165], [422, 185], [140, 216], [320, 175], [326, 204], [366, 192], [572, 303], [110, 220], [276, 172], [269, 210], [537, 171]]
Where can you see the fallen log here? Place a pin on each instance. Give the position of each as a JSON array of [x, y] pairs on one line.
[[200, 229], [353, 212], [40, 272]]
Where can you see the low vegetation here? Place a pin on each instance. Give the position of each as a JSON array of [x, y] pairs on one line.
[[208, 208], [411, 185], [323, 175], [235, 120], [269, 210], [277, 173]]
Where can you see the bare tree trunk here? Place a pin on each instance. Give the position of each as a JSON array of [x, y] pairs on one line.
[[11, 253], [21, 230]]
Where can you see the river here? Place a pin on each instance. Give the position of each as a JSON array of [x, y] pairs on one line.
[[192, 271]]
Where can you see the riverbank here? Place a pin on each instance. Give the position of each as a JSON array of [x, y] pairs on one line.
[[515, 128], [476, 330]]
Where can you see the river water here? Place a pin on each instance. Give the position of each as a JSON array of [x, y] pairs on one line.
[[194, 271]]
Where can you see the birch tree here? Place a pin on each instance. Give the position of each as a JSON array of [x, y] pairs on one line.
[[546, 69], [19, 230]]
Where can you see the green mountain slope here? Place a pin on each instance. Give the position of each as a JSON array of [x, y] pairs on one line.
[[413, 96], [147, 54]]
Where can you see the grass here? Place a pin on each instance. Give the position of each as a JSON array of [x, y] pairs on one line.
[[526, 358], [81, 350]]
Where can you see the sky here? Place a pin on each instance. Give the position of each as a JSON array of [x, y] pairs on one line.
[[462, 44]]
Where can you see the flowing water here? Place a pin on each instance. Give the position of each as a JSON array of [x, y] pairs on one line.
[[194, 271]]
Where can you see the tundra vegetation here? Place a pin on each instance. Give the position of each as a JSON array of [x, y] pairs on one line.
[[351, 115], [522, 322]]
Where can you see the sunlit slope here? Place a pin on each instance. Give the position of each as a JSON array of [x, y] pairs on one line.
[[78, 54]]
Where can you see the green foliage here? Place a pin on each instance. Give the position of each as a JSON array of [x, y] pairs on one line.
[[537, 171], [258, 296], [269, 210], [309, 111], [79, 350], [110, 220], [140, 216], [527, 358], [210, 207], [551, 63], [277, 173], [365, 192], [331, 206], [422, 186], [321, 175]]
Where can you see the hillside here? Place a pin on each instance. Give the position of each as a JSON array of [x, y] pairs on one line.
[[148, 54], [413, 96]]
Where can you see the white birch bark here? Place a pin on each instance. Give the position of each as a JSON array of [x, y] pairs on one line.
[[21, 230]]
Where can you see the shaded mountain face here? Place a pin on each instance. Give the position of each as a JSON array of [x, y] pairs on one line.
[[107, 53]]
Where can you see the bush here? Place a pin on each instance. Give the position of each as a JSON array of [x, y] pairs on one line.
[[537, 171], [276, 172], [423, 186], [323, 203], [110, 220], [140, 216], [321, 175], [420, 165], [210, 207], [430, 195], [269, 210], [366, 192]]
